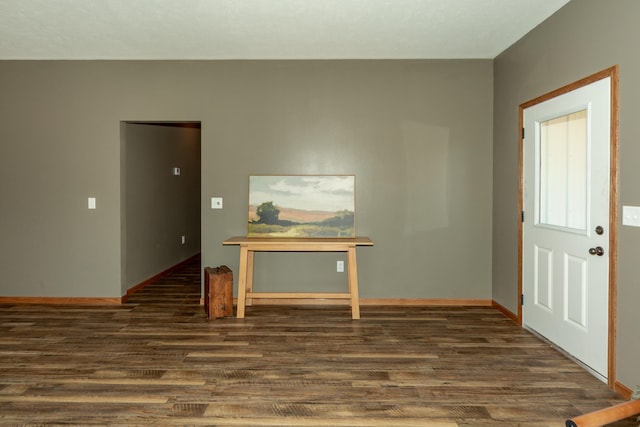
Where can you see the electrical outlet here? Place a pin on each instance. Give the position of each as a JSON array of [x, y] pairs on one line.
[[340, 266], [216, 203], [184, 240], [631, 216]]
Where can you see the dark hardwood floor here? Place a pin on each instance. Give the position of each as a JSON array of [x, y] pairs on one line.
[[157, 360]]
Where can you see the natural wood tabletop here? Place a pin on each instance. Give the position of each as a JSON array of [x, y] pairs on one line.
[[314, 241]]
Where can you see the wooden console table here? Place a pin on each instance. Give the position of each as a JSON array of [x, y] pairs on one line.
[[250, 245]]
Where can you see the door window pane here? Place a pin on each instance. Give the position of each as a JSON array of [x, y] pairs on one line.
[[563, 171]]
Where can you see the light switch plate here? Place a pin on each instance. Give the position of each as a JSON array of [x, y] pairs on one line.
[[631, 216], [91, 203], [216, 203]]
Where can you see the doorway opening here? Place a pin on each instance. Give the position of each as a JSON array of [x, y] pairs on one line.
[[160, 180]]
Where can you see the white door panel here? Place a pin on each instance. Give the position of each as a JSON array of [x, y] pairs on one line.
[[565, 197]]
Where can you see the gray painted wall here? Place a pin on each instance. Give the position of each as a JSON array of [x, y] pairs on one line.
[[417, 135], [160, 207], [584, 37]]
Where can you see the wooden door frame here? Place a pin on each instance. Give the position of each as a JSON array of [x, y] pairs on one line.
[[612, 73]]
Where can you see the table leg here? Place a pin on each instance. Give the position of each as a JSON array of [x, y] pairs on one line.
[[352, 272], [249, 286], [242, 282]]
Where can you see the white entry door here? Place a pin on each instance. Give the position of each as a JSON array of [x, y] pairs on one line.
[[566, 222]]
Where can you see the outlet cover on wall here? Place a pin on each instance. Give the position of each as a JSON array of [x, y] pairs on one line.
[[216, 203], [631, 216], [340, 266]]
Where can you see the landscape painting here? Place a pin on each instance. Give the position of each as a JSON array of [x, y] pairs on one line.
[[301, 206]]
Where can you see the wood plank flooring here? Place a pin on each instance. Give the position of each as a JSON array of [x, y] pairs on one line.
[[158, 360]]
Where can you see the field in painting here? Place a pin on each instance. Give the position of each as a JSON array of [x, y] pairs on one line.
[[301, 223]]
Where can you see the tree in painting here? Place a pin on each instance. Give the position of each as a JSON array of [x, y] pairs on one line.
[[267, 213]]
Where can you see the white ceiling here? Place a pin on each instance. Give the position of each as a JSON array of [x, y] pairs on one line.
[[265, 29]]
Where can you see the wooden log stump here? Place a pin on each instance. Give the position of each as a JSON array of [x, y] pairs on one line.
[[218, 292]]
